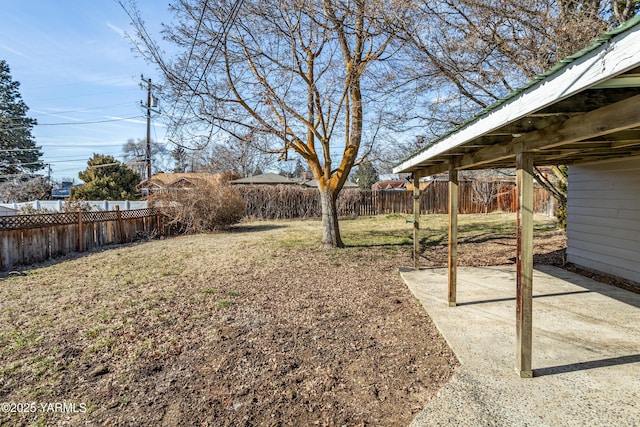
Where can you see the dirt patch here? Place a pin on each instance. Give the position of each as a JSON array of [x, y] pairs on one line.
[[253, 327], [246, 328]]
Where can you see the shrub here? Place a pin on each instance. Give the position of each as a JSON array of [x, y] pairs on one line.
[[280, 201], [30, 210], [291, 201], [208, 206], [76, 205]]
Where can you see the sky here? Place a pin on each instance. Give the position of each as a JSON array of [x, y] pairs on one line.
[[79, 76]]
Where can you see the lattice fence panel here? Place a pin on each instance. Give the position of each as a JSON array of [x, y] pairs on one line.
[[138, 213], [18, 222]]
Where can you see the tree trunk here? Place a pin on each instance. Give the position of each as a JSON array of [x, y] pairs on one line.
[[330, 229]]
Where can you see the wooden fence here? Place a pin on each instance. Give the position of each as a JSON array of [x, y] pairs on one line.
[[27, 239], [283, 202], [434, 200]]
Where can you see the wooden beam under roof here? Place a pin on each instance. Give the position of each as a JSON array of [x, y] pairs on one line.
[[609, 119]]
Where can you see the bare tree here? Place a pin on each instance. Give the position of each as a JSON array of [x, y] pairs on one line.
[[309, 73], [468, 54], [623, 10], [240, 156], [25, 188], [135, 155]]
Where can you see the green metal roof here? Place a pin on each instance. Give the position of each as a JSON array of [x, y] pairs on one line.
[[601, 40]]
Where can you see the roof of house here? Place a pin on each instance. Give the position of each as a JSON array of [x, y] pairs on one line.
[[390, 184], [313, 183], [586, 108], [176, 180], [266, 179]]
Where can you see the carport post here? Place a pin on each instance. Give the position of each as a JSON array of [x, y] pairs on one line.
[[524, 263], [453, 235], [416, 219]]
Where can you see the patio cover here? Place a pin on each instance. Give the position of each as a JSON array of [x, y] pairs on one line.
[[586, 108]]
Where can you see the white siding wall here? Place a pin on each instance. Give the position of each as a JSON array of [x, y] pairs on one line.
[[603, 222]]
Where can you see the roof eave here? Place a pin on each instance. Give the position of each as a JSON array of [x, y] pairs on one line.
[[611, 54]]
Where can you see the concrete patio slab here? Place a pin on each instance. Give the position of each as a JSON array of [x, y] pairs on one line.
[[586, 350]]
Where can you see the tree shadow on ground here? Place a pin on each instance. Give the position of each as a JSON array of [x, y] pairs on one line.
[[380, 239], [252, 228], [477, 233]]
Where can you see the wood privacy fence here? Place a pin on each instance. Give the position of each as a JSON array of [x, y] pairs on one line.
[[27, 239], [434, 199], [284, 202]]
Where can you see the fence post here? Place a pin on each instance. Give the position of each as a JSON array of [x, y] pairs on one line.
[[416, 219], [80, 232], [159, 223], [120, 224]]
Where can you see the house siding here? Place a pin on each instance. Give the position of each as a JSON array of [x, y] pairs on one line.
[[603, 217]]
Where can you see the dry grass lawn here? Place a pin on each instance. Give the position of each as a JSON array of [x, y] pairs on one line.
[[256, 326]]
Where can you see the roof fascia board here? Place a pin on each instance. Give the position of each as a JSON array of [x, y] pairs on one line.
[[615, 55]]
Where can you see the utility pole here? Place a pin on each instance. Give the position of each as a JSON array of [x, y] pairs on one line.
[[148, 156]]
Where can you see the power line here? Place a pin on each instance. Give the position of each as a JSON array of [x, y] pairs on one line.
[[4, 165], [103, 165], [11, 175], [90, 123], [226, 28], [7, 150], [81, 110], [72, 123]]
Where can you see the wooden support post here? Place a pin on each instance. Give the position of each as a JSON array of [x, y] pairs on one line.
[[416, 219], [524, 263], [453, 236], [80, 232], [120, 225]]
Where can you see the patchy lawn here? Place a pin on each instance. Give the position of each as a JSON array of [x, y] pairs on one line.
[[253, 327]]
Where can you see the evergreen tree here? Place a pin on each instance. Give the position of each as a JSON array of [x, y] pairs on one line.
[[19, 154], [180, 158], [299, 169], [366, 175], [107, 179]]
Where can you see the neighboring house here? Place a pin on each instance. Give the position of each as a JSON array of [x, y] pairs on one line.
[[176, 181], [400, 184], [390, 184], [63, 191], [266, 179], [276, 179], [313, 183]]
